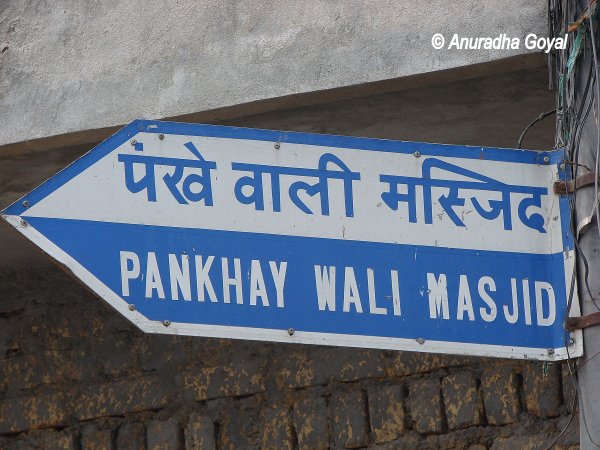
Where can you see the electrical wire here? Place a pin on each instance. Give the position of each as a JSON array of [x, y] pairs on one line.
[[596, 117], [564, 430], [595, 60], [573, 108], [539, 118]]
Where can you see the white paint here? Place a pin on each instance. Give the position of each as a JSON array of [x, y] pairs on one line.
[[325, 281], [235, 281], [89, 196], [512, 317], [484, 285], [128, 273], [258, 287], [395, 293], [351, 292], [373, 308], [465, 302], [180, 277], [526, 302], [279, 280], [203, 282], [540, 288], [153, 278], [438, 296]]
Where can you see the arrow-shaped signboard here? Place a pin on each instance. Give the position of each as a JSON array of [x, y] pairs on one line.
[[253, 234]]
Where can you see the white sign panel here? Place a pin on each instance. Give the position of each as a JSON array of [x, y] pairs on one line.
[[254, 234]]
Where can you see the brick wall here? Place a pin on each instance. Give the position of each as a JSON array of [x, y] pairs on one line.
[[75, 375]]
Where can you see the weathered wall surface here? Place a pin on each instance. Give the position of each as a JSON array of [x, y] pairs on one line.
[[75, 375], [70, 66], [72, 372]]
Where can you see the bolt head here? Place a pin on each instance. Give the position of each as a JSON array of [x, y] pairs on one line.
[[133, 142], [131, 307], [161, 136], [26, 203], [572, 341], [291, 331], [421, 341], [23, 222], [417, 154], [550, 351], [546, 159], [277, 145], [166, 323]]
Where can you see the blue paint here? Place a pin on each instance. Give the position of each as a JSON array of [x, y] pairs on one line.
[[97, 247]]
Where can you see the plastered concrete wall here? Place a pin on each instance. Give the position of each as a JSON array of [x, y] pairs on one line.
[[75, 375], [69, 66]]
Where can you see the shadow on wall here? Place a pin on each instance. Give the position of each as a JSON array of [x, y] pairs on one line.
[[73, 371]]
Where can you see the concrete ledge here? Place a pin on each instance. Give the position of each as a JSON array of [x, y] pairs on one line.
[[217, 115], [67, 67]]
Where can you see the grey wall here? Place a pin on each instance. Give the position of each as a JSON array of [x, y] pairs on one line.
[[69, 66]]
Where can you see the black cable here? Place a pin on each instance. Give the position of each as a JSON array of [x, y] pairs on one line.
[[595, 60], [564, 430], [569, 125], [541, 117], [572, 128]]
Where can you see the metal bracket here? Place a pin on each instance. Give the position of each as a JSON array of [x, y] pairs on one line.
[[579, 323], [564, 187]]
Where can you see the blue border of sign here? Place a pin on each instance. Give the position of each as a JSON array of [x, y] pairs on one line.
[[325, 140], [549, 158]]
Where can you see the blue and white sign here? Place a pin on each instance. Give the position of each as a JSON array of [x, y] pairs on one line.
[[253, 234]]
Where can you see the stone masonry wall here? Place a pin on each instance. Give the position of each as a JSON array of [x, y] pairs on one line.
[[75, 375]]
